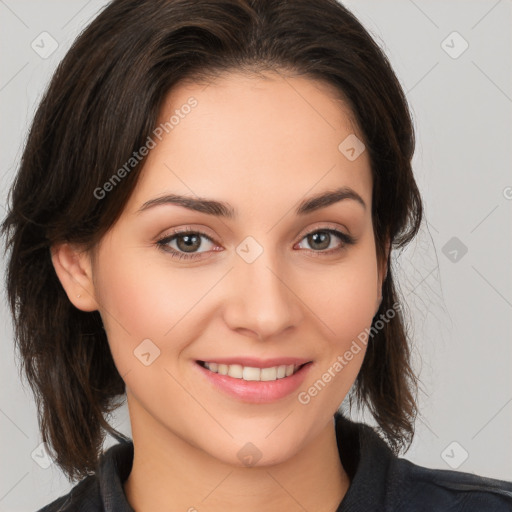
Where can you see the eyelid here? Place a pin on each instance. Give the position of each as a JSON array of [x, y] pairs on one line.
[[189, 228], [323, 225]]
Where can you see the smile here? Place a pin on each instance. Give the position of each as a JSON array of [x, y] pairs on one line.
[[255, 384]]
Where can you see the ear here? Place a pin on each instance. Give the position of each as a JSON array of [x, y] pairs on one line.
[[74, 270]]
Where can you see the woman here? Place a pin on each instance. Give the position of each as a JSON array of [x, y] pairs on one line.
[[203, 221]]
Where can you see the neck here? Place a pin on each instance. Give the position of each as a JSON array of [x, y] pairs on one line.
[[170, 474]]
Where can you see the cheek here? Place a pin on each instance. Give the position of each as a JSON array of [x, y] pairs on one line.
[[345, 296], [141, 300]]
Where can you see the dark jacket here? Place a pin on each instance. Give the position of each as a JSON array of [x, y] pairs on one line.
[[380, 481]]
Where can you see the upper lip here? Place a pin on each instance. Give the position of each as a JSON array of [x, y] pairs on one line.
[[255, 362]]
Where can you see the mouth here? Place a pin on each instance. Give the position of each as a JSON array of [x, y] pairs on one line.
[[253, 373], [255, 381]]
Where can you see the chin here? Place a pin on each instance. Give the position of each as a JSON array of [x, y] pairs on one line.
[[258, 448]]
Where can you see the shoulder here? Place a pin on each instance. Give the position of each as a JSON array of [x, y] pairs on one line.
[[382, 481], [83, 497], [445, 490], [102, 489]]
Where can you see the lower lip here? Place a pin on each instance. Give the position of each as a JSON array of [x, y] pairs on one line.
[[258, 392]]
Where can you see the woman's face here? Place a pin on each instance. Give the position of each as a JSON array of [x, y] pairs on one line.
[[266, 286]]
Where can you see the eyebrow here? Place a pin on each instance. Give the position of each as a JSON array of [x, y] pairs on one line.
[[221, 209]]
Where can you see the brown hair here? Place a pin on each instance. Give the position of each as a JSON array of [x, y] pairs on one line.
[[102, 104]]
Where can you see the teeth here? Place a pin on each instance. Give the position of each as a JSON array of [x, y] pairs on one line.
[[269, 373], [236, 371], [249, 373]]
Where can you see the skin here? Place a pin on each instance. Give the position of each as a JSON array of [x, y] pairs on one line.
[[262, 145]]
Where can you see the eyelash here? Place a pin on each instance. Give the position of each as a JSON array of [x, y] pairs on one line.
[[162, 243]]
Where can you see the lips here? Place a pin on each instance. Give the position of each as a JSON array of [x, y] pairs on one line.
[[255, 380]]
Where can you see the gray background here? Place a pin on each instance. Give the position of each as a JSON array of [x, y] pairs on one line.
[[459, 304]]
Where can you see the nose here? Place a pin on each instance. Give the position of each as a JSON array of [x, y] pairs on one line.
[[262, 300]]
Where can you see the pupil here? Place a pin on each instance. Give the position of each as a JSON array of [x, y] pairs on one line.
[[324, 237], [190, 242]]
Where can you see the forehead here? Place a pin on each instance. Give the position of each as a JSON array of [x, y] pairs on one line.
[[247, 139]]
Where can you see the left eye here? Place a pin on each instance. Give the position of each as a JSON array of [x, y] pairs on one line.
[[324, 237]]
